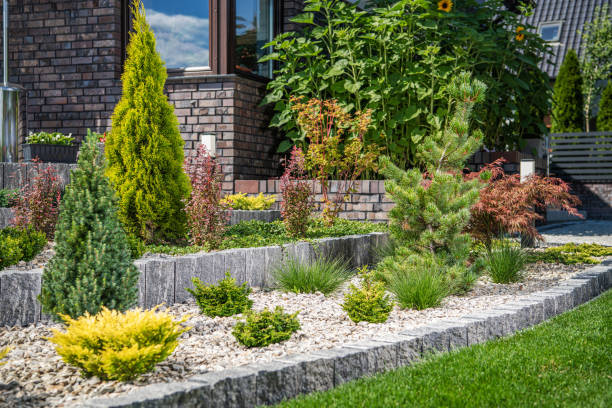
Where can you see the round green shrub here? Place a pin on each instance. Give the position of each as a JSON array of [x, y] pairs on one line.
[[369, 302], [20, 245], [223, 299], [264, 328]]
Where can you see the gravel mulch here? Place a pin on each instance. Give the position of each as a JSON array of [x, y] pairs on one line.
[[34, 376]]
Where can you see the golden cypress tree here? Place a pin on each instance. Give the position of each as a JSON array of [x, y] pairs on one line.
[[145, 148]]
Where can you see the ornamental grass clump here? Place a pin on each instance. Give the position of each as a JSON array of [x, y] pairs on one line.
[[369, 302], [118, 346], [206, 213], [263, 328], [241, 201], [224, 299], [505, 262], [320, 275], [92, 266], [297, 196], [144, 148]]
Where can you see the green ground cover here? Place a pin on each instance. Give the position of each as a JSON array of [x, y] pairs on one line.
[[566, 362]]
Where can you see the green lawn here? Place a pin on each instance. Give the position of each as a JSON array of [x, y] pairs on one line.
[[566, 362]]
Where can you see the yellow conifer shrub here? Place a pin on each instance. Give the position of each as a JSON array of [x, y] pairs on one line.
[[241, 201], [3, 354], [118, 346]]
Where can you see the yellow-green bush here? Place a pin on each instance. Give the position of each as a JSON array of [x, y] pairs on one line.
[[3, 354], [369, 302], [118, 346], [241, 201]]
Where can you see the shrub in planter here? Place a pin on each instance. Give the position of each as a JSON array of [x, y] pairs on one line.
[[8, 197], [19, 245], [92, 266], [224, 299], [264, 328], [206, 213], [144, 148], [38, 204], [369, 302], [241, 201], [505, 262], [297, 195], [118, 346], [321, 275], [50, 147]]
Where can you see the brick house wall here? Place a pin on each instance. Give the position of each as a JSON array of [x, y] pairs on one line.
[[67, 54]]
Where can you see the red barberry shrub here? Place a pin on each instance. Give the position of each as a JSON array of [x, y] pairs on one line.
[[297, 202], [38, 203], [206, 215], [508, 206]]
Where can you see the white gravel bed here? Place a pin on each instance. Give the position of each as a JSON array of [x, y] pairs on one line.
[[35, 376]]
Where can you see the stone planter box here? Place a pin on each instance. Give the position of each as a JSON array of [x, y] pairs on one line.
[[50, 153], [163, 279], [6, 215], [237, 216]]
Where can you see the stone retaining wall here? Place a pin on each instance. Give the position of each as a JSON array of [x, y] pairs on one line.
[[237, 216], [163, 279], [270, 382], [6, 215]]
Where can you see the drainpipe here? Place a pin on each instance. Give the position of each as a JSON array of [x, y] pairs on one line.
[[9, 102], [5, 40]]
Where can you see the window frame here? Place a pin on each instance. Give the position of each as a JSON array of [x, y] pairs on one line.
[[222, 40], [546, 24]]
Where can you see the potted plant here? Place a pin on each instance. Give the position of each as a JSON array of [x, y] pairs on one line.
[[50, 147]]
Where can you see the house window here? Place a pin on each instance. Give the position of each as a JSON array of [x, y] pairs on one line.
[[550, 31], [254, 28], [182, 31]]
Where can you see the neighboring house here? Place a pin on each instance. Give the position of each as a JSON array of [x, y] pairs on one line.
[[68, 55], [561, 22]]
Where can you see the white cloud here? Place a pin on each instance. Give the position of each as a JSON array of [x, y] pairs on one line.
[[182, 40]]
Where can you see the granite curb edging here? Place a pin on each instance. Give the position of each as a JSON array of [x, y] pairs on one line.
[[164, 278], [237, 216], [273, 381]]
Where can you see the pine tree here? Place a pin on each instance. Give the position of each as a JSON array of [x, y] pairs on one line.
[[145, 148], [92, 266], [432, 209], [568, 114], [604, 117]]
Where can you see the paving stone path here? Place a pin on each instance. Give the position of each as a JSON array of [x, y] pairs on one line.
[[589, 232]]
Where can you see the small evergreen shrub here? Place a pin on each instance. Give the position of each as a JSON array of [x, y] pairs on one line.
[[8, 197], [264, 328], [137, 246], [419, 283], [224, 299], [321, 275], [505, 263], [206, 215], [144, 148], [20, 245], [369, 302], [604, 116], [55, 138], [92, 266], [297, 196], [39, 201], [3, 353], [118, 346], [567, 113], [241, 201]]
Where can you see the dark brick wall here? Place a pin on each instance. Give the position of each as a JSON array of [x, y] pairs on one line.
[[291, 8], [596, 199]]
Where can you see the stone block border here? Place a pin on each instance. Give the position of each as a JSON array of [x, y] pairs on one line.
[[163, 278], [237, 216], [274, 381]]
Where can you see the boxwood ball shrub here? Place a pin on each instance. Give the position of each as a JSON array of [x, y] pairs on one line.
[[20, 245], [321, 275], [368, 303], [118, 346], [144, 148], [92, 266], [263, 328], [224, 299]]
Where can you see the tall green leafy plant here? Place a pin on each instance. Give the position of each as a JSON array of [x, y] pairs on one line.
[[92, 267], [145, 148], [397, 60], [567, 114], [596, 63]]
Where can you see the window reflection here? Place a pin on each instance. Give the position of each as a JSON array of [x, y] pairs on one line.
[[254, 28], [181, 30]]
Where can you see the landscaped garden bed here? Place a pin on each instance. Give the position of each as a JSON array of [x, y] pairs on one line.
[[35, 375]]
